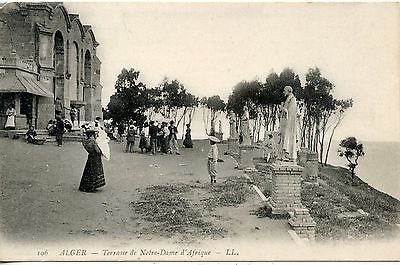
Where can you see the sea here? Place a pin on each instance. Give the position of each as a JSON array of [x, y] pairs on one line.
[[379, 167]]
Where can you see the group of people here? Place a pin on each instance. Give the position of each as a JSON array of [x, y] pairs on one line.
[[163, 138], [153, 137]]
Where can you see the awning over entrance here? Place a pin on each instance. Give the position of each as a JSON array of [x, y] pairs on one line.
[[21, 83]]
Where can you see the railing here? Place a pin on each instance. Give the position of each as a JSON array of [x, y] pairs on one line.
[[24, 63]]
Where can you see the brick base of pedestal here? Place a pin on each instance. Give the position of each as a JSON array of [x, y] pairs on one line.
[[233, 146], [286, 187], [246, 155], [302, 223]]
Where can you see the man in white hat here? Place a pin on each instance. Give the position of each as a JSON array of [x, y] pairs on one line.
[[212, 158]]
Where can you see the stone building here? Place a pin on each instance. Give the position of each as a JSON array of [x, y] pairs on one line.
[[45, 53]]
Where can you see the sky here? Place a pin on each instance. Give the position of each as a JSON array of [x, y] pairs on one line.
[[210, 47]]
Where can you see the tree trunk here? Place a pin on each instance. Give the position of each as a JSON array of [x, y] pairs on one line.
[[331, 137], [183, 127]]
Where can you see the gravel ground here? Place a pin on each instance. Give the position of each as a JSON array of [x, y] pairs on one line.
[[41, 204]]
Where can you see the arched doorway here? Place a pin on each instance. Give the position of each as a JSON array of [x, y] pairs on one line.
[[87, 87], [58, 63]]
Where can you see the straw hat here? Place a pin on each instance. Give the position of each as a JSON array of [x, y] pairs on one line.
[[214, 139]]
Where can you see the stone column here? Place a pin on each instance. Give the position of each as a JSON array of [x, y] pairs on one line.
[[286, 187], [46, 108]]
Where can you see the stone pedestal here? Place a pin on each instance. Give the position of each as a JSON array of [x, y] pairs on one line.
[[286, 187], [312, 167], [233, 146], [302, 223], [302, 157], [309, 160], [246, 155]]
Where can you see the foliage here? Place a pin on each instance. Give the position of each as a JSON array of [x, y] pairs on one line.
[[352, 151], [245, 94], [319, 111], [134, 101], [130, 100], [272, 94], [338, 114], [175, 97], [318, 106]]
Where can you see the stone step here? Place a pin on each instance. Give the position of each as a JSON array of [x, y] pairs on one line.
[[74, 136]]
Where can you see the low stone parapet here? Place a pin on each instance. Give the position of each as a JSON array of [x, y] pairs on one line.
[[302, 223]]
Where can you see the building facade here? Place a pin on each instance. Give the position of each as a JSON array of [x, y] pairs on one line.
[[46, 53]]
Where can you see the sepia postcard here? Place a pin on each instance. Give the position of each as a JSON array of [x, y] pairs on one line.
[[199, 131]]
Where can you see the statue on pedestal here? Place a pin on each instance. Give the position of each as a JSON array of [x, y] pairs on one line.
[[288, 126], [232, 125], [245, 128]]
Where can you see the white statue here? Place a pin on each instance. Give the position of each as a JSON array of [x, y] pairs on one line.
[[232, 127], [288, 126], [245, 128]]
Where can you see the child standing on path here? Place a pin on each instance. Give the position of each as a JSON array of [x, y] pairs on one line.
[[212, 158], [130, 139], [269, 148]]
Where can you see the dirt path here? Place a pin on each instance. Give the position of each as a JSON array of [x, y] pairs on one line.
[[40, 203]]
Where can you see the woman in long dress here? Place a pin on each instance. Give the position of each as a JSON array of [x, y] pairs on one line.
[[93, 174], [187, 142], [11, 113]]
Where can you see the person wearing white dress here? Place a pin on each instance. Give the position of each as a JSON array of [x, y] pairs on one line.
[[10, 113], [102, 139]]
